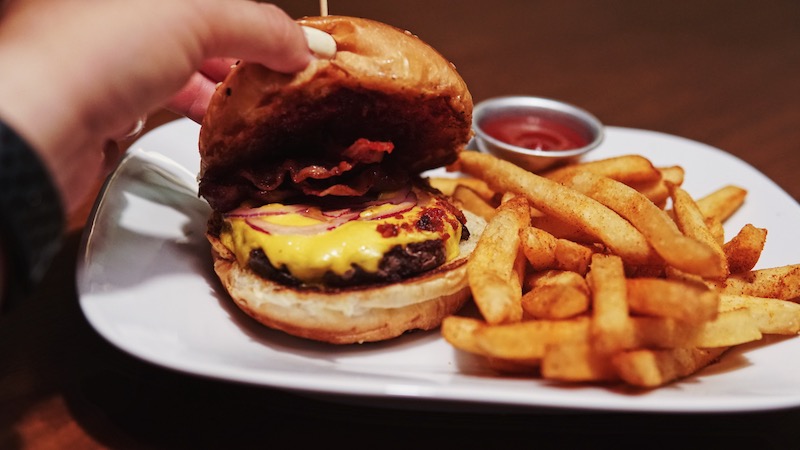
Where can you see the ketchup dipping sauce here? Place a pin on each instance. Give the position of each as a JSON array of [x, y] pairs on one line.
[[535, 133]]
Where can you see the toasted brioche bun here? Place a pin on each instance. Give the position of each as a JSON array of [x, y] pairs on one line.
[[383, 84], [351, 315]]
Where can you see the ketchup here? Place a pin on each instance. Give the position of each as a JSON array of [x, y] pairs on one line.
[[533, 132]]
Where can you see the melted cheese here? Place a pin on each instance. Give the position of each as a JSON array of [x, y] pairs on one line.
[[357, 242]]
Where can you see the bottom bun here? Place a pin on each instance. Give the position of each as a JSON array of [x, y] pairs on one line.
[[351, 315]]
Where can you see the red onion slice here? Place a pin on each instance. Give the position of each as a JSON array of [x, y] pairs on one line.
[[245, 212], [400, 202]]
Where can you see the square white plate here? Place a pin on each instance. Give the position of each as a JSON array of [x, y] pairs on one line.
[[147, 286]]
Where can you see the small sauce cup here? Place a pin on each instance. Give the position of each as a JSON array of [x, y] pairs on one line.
[[535, 133]]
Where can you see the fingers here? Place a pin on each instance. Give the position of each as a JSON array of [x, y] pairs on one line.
[[256, 32], [192, 100]]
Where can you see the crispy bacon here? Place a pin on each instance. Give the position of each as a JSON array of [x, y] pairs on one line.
[[355, 173]]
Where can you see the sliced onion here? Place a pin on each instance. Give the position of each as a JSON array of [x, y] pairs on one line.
[[395, 210], [264, 226], [401, 201], [244, 212]]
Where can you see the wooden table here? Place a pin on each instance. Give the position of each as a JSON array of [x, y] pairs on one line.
[[721, 72]]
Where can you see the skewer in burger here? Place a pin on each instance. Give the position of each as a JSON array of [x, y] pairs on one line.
[[322, 226]]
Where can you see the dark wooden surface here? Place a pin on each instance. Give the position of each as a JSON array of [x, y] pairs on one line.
[[725, 73]]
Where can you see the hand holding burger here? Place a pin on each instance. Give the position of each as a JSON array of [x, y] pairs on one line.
[[322, 226]]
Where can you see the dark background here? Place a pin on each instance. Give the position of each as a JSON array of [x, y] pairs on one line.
[[720, 72]]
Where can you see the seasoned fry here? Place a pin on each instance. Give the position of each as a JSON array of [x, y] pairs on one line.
[[657, 190], [744, 250], [582, 275], [653, 368], [471, 201], [492, 269], [775, 282], [544, 251], [539, 247], [684, 253], [448, 185], [729, 328], [563, 203], [528, 340], [693, 224], [460, 333], [673, 175], [563, 230], [677, 299], [577, 362], [610, 320], [556, 294], [722, 203], [773, 316], [627, 169]]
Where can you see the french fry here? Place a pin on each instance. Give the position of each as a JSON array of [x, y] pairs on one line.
[[492, 269], [729, 328], [544, 251], [591, 279], [577, 362], [627, 169], [528, 340], [744, 250], [684, 253], [448, 185], [722, 203], [654, 368], [692, 223], [673, 175], [773, 316], [563, 203], [657, 190], [610, 320], [539, 247], [678, 299], [471, 201], [556, 294], [775, 282], [563, 230], [460, 333]]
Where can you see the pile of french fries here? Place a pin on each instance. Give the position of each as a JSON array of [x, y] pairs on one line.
[[609, 271]]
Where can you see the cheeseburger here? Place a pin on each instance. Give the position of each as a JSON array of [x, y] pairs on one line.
[[322, 225]]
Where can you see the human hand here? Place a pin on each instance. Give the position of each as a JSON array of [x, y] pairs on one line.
[[78, 74]]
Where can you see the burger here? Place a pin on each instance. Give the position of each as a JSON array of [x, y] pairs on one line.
[[323, 225]]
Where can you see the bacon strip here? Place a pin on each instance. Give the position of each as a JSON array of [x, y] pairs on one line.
[[358, 171]]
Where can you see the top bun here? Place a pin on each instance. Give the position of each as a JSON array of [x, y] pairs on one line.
[[383, 84]]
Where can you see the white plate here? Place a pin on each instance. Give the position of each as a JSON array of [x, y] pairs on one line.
[[146, 285]]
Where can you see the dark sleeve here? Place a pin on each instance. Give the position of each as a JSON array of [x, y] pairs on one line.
[[31, 218]]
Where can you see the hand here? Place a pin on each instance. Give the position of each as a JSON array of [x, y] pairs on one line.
[[78, 74]]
